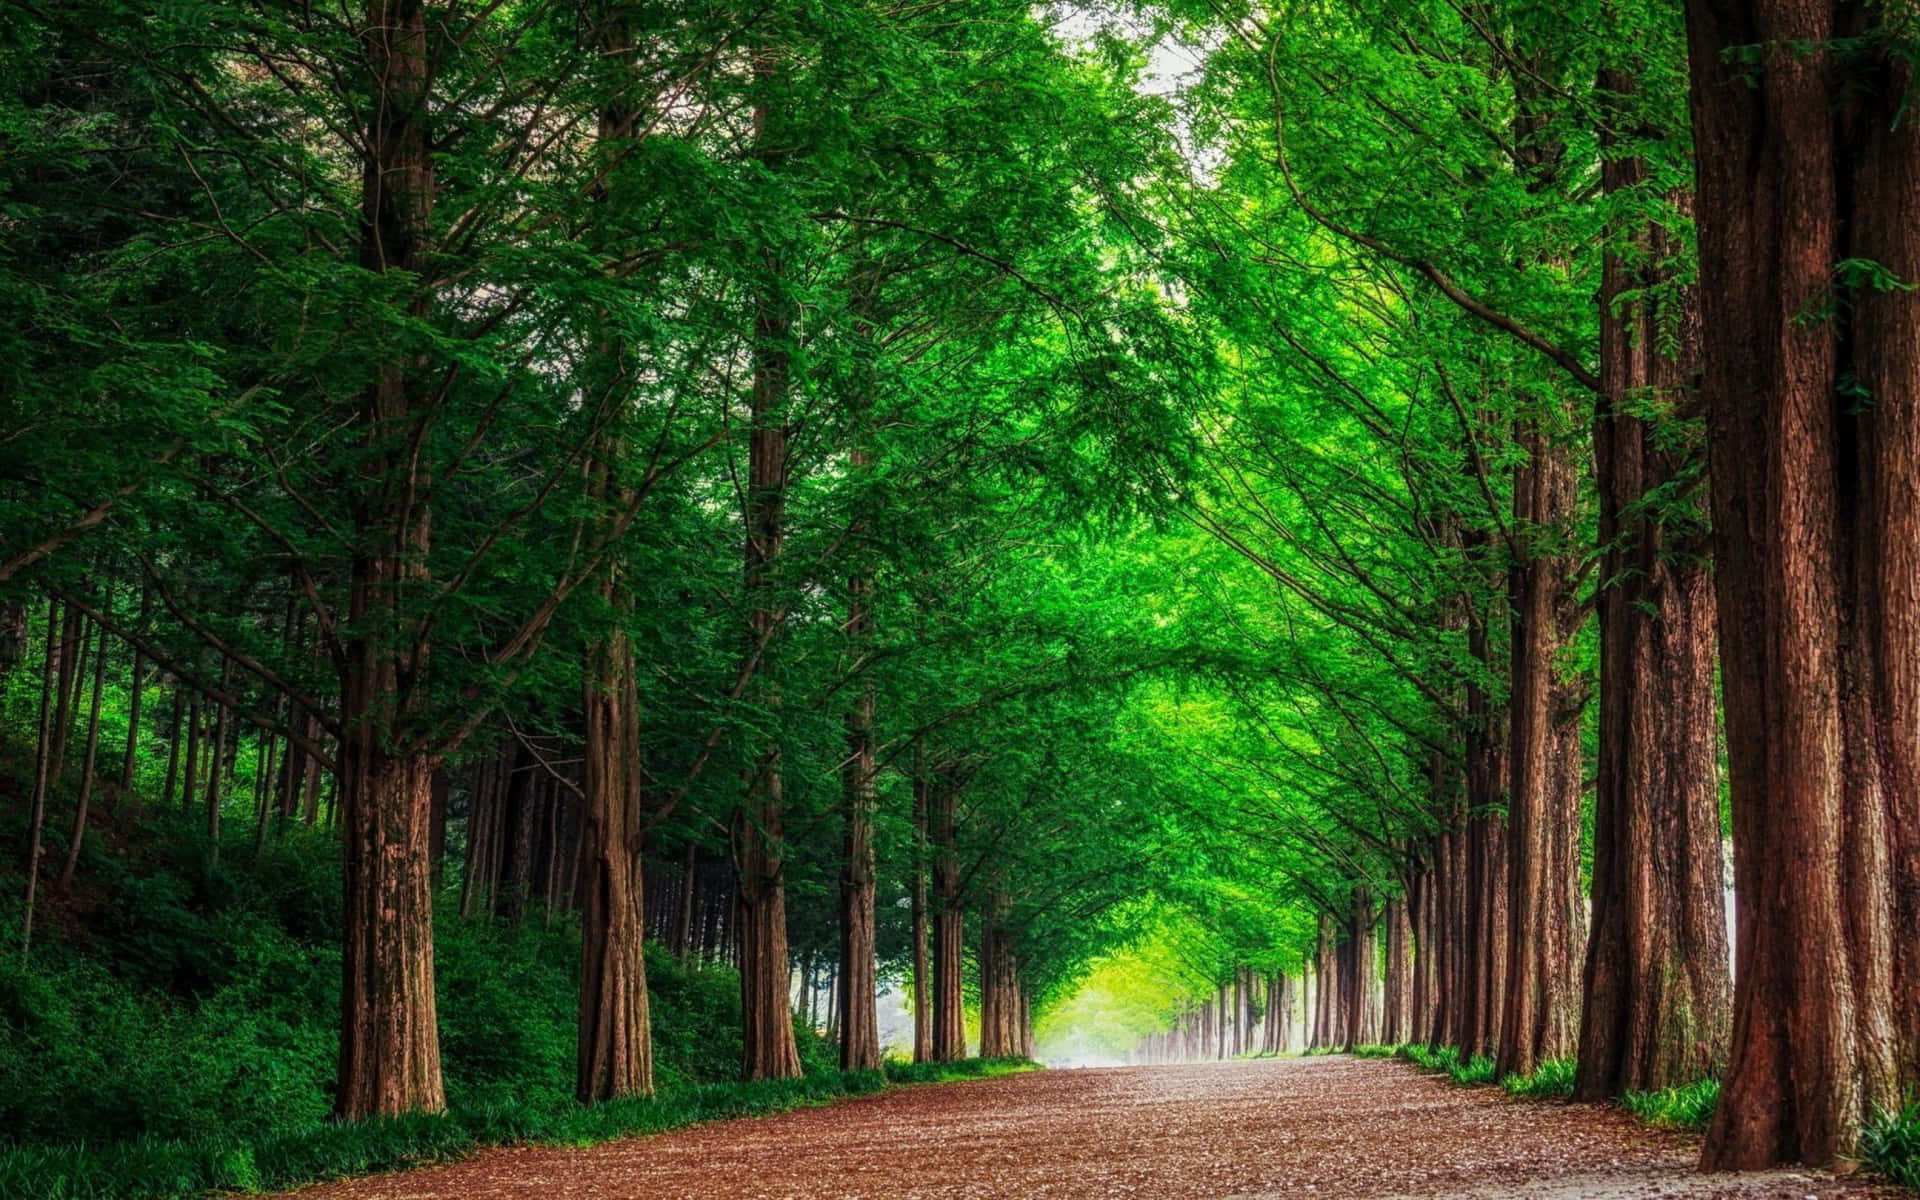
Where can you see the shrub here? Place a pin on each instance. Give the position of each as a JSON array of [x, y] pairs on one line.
[[1689, 1106], [1446, 1058], [1375, 1051], [1891, 1146], [1478, 1069], [1552, 1080]]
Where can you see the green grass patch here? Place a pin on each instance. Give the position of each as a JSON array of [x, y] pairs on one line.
[[1552, 1080], [1375, 1051], [1446, 1058], [1891, 1146], [1478, 1069], [1689, 1106]]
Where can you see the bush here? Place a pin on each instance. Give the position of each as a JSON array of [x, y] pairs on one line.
[[1446, 1058], [1478, 1069], [1689, 1106], [1375, 1051], [1552, 1080], [1891, 1146]]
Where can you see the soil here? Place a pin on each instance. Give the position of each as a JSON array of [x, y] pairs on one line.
[[1330, 1127]]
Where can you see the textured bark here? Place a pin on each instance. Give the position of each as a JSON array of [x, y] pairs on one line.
[[1359, 972], [1807, 160], [922, 968], [1657, 993], [949, 1029], [860, 1024], [1396, 1023], [615, 1046], [389, 1043], [1001, 1018], [1546, 934]]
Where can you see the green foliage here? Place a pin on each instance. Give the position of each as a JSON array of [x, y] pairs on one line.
[[1551, 1080], [1376, 1051], [1478, 1069], [1689, 1106], [1446, 1058], [1891, 1145]]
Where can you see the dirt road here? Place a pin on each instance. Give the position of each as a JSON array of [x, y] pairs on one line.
[[1299, 1127]]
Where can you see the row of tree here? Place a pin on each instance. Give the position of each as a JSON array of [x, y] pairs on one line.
[[1580, 337]]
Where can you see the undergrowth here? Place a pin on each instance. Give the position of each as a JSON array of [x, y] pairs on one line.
[[1891, 1146], [1552, 1080], [1375, 1051], [1689, 1106], [173, 1031]]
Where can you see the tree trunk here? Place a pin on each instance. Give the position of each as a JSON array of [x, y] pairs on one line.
[[42, 770], [389, 1043], [1397, 1015], [1545, 938], [1809, 186], [922, 968], [949, 1029], [615, 1044], [860, 1022], [1000, 1031], [1657, 994], [86, 774]]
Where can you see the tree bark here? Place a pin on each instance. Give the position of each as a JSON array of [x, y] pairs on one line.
[[389, 1042], [1546, 935], [1657, 992], [922, 968], [86, 774], [949, 1028], [1808, 167]]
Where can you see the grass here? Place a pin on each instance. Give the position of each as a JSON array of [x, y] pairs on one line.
[[1891, 1146], [1552, 1080], [1689, 1106], [1375, 1051], [160, 1169]]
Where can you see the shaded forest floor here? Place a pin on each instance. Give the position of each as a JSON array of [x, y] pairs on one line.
[[1333, 1126]]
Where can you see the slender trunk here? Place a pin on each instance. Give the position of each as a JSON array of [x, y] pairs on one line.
[[42, 771], [922, 969], [173, 752], [860, 1023], [949, 1029], [1808, 164], [136, 694], [86, 773]]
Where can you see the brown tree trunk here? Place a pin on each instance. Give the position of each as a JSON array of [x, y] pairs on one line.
[[1000, 1018], [1546, 935], [42, 770], [615, 1043], [389, 1043], [922, 968], [949, 1028], [1397, 1005], [1808, 171], [1657, 993], [86, 774], [860, 1022]]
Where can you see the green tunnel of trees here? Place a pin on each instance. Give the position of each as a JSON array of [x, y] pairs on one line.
[[936, 497]]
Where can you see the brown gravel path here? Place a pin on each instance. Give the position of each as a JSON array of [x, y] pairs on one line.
[[1296, 1127]]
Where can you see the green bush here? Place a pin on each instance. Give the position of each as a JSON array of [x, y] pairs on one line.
[[1446, 1058], [1689, 1106], [1552, 1080], [1375, 1051], [1891, 1146], [1478, 1069]]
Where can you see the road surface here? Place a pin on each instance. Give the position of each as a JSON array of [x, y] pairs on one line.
[[1330, 1127]]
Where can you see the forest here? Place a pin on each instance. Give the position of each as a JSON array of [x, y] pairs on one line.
[[573, 568]]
